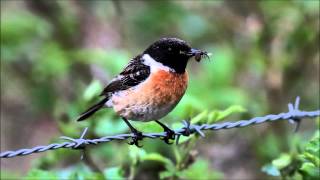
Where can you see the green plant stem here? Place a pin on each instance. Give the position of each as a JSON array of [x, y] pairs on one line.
[[132, 172], [190, 146], [177, 154]]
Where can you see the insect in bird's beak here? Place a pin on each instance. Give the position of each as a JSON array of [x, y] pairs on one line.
[[199, 54]]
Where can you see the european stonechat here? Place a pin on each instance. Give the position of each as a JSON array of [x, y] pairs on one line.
[[150, 86]]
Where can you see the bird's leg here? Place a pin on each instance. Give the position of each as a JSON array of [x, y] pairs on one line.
[[170, 133], [137, 135]]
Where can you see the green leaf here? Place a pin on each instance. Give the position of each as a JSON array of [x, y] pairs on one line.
[[159, 158], [305, 164], [314, 144], [220, 115], [199, 170], [311, 158], [310, 169], [271, 170], [114, 173], [312, 151], [155, 157], [216, 115], [93, 90], [202, 117], [283, 161], [166, 174]]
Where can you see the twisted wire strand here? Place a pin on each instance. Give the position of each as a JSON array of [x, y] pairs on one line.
[[294, 115]]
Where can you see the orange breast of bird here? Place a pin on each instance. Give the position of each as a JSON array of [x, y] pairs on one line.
[[153, 98]]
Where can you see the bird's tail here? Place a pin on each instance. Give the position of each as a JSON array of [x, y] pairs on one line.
[[92, 109]]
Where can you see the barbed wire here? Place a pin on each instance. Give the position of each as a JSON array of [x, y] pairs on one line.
[[294, 115]]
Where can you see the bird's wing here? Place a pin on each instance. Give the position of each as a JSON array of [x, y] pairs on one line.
[[133, 74]]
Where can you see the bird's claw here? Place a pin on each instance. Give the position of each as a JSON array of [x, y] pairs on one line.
[[137, 136], [170, 135]]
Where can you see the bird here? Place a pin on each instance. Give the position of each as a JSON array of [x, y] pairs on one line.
[[150, 86]]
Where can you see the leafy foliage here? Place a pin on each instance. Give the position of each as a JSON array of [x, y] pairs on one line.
[[305, 164]]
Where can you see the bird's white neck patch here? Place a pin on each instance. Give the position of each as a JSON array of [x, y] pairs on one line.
[[154, 65]]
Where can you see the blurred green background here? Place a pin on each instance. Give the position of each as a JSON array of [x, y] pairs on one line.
[[56, 56]]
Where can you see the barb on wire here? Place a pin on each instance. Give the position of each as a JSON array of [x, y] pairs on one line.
[[294, 115]]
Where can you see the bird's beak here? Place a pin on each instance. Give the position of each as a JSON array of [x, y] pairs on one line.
[[194, 52], [198, 54]]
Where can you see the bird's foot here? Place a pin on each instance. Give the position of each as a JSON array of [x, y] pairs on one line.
[[137, 136], [170, 134]]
